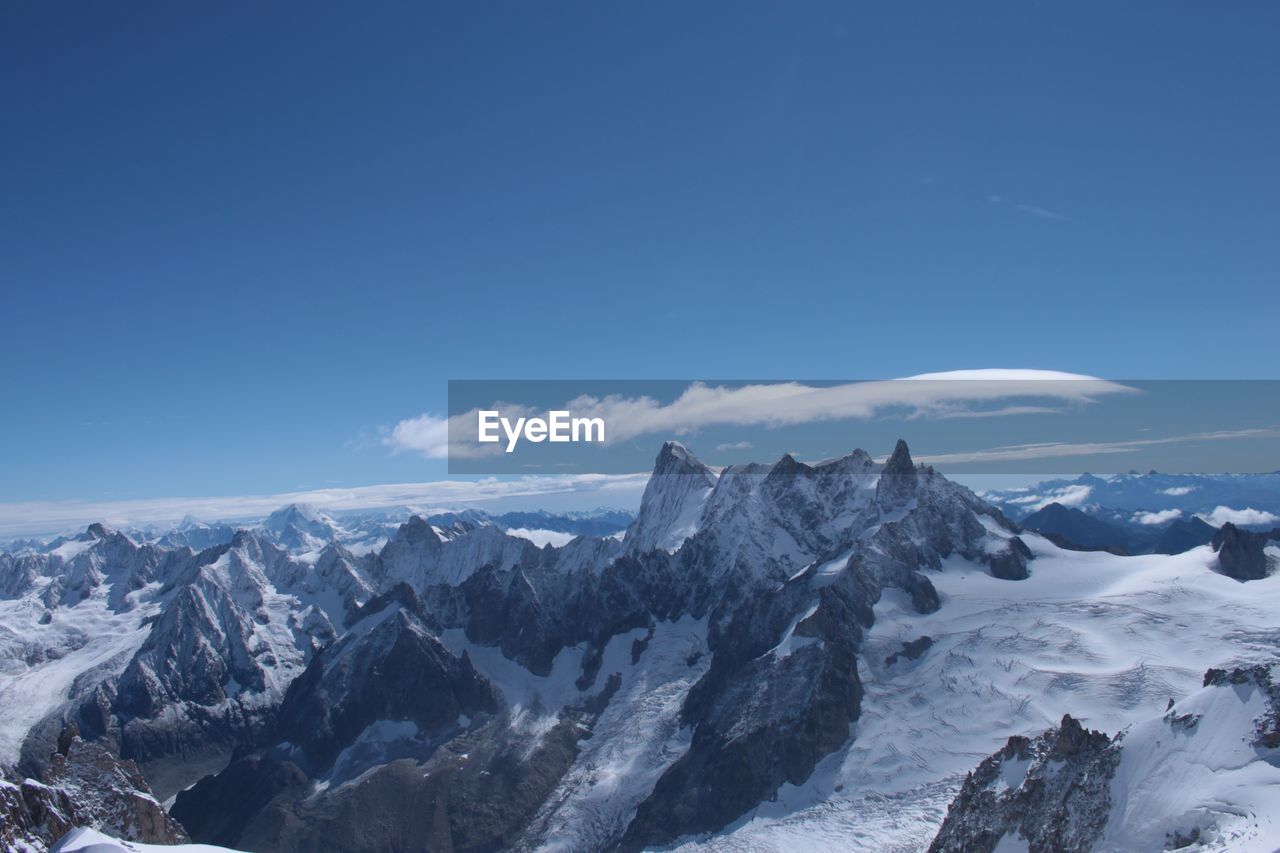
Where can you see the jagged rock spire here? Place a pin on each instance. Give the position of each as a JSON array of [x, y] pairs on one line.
[[898, 480]]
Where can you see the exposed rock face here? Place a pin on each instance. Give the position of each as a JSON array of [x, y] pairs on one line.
[[1242, 553], [911, 650], [210, 674], [1010, 563], [1053, 793], [1162, 783], [672, 501], [389, 666], [898, 479], [760, 718], [476, 792], [85, 785], [391, 707]]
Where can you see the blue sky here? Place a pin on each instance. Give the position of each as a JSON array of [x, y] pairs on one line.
[[240, 241]]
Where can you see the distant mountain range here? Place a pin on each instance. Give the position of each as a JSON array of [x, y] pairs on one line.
[[772, 656], [300, 528], [1143, 513]]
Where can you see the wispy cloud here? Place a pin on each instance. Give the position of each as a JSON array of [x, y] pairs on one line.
[[1029, 209], [952, 394], [43, 517], [1042, 212], [1055, 450], [736, 445]]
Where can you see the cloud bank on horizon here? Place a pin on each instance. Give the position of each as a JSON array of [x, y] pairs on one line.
[[947, 397], [37, 518]]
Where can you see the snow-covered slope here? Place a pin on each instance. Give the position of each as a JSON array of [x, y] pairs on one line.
[[1204, 774], [70, 618], [1109, 640], [85, 840]]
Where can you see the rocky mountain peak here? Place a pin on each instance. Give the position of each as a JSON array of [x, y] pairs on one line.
[[788, 465], [900, 460], [671, 506], [400, 595], [675, 458], [416, 530], [898, 479]]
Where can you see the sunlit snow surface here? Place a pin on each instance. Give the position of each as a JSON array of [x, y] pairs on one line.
[[91, 841], [1107, 639], [39, 663]]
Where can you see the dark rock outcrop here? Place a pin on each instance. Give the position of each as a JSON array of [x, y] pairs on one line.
[[1241, 553], [1010, 564], [898, 480], [1183, 535], [911, 650], [84, 786], [1051, 792]]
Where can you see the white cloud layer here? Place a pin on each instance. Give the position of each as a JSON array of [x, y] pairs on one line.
[[426, 434], [1248, 516], [1074, 495], [1162, 517], [951, 394], [542, 537], [34, 518], [1178, 491]]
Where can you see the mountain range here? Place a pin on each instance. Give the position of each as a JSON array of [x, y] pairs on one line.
[[770, 656]]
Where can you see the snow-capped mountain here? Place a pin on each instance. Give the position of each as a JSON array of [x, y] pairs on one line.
[[1154, 498], [1149, 513], [673, 501], [302, 529], [772, 656], [298, 527], [773, 571]]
